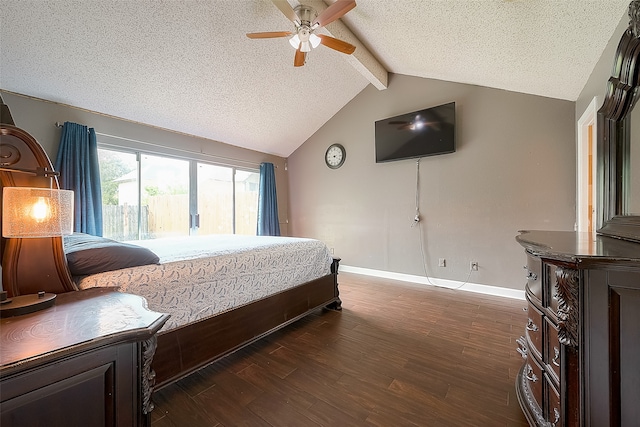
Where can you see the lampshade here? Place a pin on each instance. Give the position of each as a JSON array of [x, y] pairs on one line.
[[36, 212], [305, 47], [314, 40], [295, 41]]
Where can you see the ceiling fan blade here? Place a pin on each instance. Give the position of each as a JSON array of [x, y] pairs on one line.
[[288, 11], [298, 60], [336, 44], [333, 12], [269, 34]]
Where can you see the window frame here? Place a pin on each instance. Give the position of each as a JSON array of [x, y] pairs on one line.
[[193, 178]]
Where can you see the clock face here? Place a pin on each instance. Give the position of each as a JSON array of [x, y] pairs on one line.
[[335, 156]]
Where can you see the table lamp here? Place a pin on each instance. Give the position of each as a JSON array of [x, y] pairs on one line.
[[33, 213]]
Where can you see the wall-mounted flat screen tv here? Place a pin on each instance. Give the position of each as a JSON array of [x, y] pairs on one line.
[[422, 133]]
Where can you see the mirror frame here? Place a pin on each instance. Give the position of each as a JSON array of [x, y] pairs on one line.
[[614, 142]]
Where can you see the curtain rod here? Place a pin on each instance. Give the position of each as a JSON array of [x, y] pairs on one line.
[[247, 162]]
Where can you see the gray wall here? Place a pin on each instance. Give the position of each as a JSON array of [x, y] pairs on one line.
[[514, 169], [38, 117]]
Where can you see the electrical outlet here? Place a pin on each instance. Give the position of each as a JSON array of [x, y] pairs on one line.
[[474, 266], [442, 262]]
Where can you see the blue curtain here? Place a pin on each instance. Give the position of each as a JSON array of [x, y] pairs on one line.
[[268, 224], [77, 162]]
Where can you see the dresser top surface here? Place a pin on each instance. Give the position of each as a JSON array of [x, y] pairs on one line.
[[78, 320], [579, 247]]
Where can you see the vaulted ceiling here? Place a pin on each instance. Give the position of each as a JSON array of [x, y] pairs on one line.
[[188, 66]]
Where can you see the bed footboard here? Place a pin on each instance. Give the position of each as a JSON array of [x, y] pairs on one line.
[[184, 350], [337, 304]]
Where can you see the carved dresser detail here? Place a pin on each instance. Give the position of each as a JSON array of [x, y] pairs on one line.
[[86, 361], [581, 343]]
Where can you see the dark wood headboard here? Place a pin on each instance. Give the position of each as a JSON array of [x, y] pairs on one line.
[[33, 264]]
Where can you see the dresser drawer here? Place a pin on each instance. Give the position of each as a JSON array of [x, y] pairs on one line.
[[552, 354], [533, 375], [534, 278], [534, 330], [553, 414]]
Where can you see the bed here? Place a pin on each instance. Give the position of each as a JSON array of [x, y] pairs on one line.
[[222, 291], [192, 340]]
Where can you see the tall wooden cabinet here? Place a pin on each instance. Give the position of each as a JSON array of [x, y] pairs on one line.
[[581, 343]]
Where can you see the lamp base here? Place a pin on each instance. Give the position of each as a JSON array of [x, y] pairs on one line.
[[25, 304]]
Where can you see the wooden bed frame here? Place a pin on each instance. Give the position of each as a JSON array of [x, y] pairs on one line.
[[186, 349], [32, 265]]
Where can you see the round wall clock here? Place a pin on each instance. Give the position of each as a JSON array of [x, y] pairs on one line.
[[335, 156]]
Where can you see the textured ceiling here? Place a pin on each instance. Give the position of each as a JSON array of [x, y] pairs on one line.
[[187, 65]]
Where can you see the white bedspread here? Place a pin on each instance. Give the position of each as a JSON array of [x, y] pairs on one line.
[[201, 276]]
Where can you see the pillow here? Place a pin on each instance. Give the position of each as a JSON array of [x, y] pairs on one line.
[[87, 254]]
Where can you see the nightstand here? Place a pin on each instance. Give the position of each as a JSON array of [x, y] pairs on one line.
[[86, 361]]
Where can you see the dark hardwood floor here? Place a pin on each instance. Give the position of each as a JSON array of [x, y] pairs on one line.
[[396, 355]]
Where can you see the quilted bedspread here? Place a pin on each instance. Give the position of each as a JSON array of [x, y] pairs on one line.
[[202, 276]]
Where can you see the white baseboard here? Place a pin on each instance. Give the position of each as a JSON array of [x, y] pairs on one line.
[[432, 281]]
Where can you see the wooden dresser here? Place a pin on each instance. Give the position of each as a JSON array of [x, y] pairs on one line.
[[83, 362], [581, 343]]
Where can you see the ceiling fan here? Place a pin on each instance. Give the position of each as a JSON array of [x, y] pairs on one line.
[[306, 21]]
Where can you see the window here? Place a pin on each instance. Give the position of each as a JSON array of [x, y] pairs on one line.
[[246, 202], [220, 188], [215, 197], [148, 196], [164, 186], [120, 195]]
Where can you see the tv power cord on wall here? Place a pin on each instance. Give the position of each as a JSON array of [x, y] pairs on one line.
[[424, 261], [416, 221]]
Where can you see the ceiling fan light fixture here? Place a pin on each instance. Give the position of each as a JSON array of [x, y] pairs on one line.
[[295, 41], [314, 40], [306, 20]]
